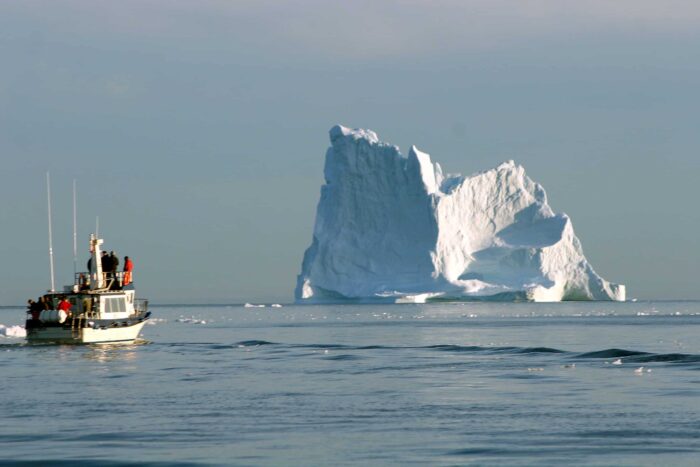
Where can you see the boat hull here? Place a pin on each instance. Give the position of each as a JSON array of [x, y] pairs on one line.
[[87, 335]]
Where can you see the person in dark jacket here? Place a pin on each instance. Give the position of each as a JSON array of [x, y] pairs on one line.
[[106, 267], [33, 309], [106, 262], [113, 262], [45, 303]]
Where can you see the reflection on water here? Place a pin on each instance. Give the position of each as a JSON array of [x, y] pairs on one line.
[[112, 352]]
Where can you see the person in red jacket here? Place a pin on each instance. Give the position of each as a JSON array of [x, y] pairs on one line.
[[128, 267], [64, 305]]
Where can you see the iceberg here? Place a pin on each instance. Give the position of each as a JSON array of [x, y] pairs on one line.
[[394, 228]]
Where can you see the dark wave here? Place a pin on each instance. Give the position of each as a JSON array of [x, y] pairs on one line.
[[454, 348], [540, 350], [343, 357], [665, 358], [253, 343], [325, 346], [475, 348], [611, 353], [628, 355], [13, 344], [93, 462]]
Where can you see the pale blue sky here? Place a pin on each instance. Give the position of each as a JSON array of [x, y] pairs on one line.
[[197, 130]]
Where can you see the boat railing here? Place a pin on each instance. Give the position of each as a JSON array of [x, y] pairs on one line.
[[81, 280], [140, 305]]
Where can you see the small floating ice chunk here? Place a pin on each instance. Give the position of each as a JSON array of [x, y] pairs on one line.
[[154, 321], [191, 320], [12, 331], [536, 369], [617, 362], [251, 305], [639, 370], [276, 305]]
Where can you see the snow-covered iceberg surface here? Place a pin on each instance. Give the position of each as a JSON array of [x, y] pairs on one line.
[[394, 228]]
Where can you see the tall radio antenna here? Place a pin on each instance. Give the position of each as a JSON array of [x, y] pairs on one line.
[[48, 194], [75, 232]]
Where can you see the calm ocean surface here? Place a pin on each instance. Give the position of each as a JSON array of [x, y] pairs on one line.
[[439, 384]]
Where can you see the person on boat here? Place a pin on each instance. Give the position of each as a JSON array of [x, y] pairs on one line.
[[31, 307], [45, 303], [106, 265], [106, 262], [84, 282], [114, 263], [87, 303], [128, 267], [35, 308], [64, 305]]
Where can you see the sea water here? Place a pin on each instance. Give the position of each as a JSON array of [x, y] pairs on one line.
[[435, 384]]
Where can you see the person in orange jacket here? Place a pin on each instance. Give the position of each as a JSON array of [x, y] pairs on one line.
[[128, 267]]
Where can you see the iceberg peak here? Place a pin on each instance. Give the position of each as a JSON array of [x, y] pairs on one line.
[[430, 174], [390, 227], [339, 131]]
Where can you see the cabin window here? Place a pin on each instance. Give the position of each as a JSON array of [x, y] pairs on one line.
[[115, 305]]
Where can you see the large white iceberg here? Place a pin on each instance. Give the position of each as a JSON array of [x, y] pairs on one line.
[[394, 228]]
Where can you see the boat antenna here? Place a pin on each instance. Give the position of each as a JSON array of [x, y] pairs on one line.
[[97, 226], [48, 194], [75, 232]]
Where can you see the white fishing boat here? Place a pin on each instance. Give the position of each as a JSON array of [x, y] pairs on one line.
[[103, 308], [99, 307]]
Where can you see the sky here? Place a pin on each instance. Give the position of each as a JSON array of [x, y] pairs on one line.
[[196, 130]]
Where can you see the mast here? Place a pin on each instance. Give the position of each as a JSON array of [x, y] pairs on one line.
[[96, 278], [75, 232], [48, 195]]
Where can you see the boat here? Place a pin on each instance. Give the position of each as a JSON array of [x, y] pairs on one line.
[[103, 308]]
